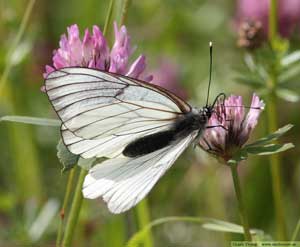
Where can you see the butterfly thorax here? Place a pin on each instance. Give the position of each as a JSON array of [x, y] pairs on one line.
[[193, 121], [203, 117]]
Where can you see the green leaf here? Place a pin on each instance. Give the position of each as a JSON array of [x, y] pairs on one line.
[[20, 53], [280, 45], [32, 120], [261, 236], [263, 146], [290, 59], [86, 163], [43, 220], [271, 137], [238, 157], [288, 95], [7, 201], [291, 73], [224, 226], [249, 81], [206, 223], [269, 149], [65, 157], [249, 62]]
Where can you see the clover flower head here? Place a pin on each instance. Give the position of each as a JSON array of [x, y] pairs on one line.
[[92, 51], [250, 35], [258, 10], [233, 126]]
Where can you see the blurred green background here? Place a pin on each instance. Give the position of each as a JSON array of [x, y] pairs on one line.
[[32, 185]]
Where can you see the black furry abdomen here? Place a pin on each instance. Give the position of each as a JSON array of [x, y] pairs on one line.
[[149, 144], [182, 127]]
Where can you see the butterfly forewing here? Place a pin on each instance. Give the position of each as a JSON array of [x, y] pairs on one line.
[[102, 112]]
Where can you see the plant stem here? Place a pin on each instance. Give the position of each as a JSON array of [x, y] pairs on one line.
[[275, 172], [126, 4], [296, 231], [273, 21], [108, 17], [15, 43], [272, 126], [238, 193], [64, 206], [75, 209], [143, 216], [28, 181]]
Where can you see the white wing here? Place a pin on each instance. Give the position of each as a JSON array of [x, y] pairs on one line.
[[103, 112], [122, 182]]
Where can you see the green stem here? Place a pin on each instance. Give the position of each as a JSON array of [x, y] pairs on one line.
[[143, 216], [108, 17], [65, 204], [272, 126], [296, 231], [28, 181], [238, 193], [75, 210], [275, 172], [126, 5], [273, 21], [15, 43]]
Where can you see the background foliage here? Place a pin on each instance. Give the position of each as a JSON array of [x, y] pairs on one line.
[[32, 185]]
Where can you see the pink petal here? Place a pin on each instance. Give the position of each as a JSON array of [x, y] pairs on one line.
[[87, 47], [101, 50], [75, 46], [252, 117], [48, 69], [137, 68], [73, 33], [148, 78]]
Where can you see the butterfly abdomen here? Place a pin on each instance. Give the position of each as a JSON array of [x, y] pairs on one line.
[[149, 144], [183, 126]]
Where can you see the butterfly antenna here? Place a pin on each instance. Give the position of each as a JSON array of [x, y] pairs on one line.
[[210, 71]]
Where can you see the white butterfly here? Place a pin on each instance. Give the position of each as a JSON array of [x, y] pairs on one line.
[[142, 128]]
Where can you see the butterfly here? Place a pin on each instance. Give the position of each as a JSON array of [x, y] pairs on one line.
[[140, 127]]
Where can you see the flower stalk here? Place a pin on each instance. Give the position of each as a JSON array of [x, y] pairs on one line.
[[273, 20], [296, 231], [75, 209], [63, 209], [143, 215], [272, 126], [126, 4], [275, 172], [238, 192], [108, 16], [15, 43]]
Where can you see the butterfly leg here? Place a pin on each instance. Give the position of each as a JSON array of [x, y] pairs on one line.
[[210, 149], [216, 126]]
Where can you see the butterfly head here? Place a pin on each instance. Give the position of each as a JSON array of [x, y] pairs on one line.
[[208, 111]]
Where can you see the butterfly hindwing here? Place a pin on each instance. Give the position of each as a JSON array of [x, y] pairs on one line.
[[122, 181]]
